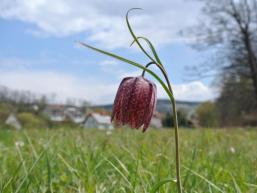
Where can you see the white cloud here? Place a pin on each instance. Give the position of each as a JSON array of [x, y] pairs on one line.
[[104, 21], [16, 63], [99, 92], [194, 91], [113, 67], [191, 91], [62, 85], [110, 66]]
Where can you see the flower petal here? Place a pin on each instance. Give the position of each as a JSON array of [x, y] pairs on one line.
[[151, 107]]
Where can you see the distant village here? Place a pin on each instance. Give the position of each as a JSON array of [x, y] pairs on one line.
[[95, 117], [66, 113], [20, 112]]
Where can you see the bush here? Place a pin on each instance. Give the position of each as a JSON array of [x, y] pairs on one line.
[[29, 120], [207, 115], [182, 120], [5, 110]]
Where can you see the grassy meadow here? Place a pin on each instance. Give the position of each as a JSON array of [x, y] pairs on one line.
[[70, 160]]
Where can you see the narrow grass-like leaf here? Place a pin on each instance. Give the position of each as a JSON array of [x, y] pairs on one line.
[[210, 188], [251, 185], [161, 183], [135, 178], [150, 46], [49, 175], [22, 160], [158, 61], [134, 64], [30, 143], [71, 169], [191, 166], [122, 165], [135, 37], [237, 188], [205, 179], [13, 176], [120, 172], [29, 171]]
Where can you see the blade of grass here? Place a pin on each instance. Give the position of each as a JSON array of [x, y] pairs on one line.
[[191, 166], [205, 179], [237, 188], [30, 143], [34, 164], [121, 164], [13, 176], [120, 172], [49, 179], [22, 160], [71, 169], [30, 170], [161, 183], [210, 188], [251, 185]]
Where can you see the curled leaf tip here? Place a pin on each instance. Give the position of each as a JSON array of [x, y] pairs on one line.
[[135, 8]]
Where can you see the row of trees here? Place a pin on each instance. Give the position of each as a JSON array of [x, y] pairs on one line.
[[229, 30], [24, 99]]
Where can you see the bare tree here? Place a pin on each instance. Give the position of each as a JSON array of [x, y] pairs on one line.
[[229, 28]]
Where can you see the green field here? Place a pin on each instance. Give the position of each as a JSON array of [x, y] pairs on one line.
[[91, 161]]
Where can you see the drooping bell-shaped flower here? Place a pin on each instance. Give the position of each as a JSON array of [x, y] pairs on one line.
[[135, 102]]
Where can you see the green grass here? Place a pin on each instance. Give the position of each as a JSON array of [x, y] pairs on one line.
[[91, 161]]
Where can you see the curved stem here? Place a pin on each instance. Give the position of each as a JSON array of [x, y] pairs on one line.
[[175, 120], [146, 66], [164, 74]]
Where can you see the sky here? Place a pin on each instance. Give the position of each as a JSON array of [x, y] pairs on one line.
[[39, 53]]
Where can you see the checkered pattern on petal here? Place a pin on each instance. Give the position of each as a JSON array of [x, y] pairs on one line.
[[135, 102]]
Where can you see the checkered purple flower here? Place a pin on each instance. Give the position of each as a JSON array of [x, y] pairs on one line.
[[135, 102]]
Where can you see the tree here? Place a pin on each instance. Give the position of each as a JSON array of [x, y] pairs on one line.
[[207, 115], [236, 101], [229, 29], [167, 121]]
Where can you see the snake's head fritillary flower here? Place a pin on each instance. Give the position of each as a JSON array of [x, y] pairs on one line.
[[135, 102]]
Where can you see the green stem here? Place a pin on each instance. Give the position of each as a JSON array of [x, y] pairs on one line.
[[175, 120], [146, 66]]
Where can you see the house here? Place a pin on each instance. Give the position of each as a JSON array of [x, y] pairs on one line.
[[74, 114], [96, 120], [55, 113], [156, 122], [60, 113], [13, 122], [164, 108]]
